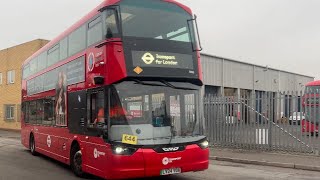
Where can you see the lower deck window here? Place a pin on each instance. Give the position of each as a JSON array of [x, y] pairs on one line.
[[40, 111]]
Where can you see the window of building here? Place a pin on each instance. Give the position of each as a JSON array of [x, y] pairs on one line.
[[0, 78], [53, 55], [77, 41], [95, 31], [10, 77], [64, 48], [9, 112], [211, 90]]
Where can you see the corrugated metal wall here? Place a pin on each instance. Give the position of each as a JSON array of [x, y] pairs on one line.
[[212, 70], [233, 74]]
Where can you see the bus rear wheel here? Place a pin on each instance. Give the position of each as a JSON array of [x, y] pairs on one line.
[[32, 145], [76, 161]]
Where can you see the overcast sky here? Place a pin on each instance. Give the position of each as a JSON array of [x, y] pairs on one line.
[[283, 34]]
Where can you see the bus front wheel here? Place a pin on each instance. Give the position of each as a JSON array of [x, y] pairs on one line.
[[76, 161]]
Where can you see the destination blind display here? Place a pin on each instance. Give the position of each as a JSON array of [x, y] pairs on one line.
[[162, 60]]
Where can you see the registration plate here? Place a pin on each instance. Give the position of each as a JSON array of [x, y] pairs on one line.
[[170, 171]]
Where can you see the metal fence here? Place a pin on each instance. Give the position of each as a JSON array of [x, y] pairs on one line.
[[264, 121]]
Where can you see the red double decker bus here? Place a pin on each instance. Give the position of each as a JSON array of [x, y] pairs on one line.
[[117, 95], [311, 105]]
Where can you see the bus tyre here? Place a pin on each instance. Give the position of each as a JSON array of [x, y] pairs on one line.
[[32, 145], [76, 161]]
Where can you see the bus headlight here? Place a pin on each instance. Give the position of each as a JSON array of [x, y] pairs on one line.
[[204, 144], [120, 150]]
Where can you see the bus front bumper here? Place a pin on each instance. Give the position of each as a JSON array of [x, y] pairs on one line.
[[148, 163]]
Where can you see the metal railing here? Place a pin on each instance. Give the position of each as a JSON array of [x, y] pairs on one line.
[[267, 121]]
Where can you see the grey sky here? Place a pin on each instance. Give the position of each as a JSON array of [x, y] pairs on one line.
[[283, 34]]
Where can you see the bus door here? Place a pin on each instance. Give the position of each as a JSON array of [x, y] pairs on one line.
[[96, 148], [77, 114]]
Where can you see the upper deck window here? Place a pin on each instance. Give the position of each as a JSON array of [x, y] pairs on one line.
[[64, 48], [53, 55], [155, 19], [42, 61], [112, 24], [26, 71], [77, 41], [94, 31], [34, 65]]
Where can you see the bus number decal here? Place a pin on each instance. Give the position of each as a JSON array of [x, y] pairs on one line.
[[129, 139]]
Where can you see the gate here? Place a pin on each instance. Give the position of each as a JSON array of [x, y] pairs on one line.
[[265, 121]]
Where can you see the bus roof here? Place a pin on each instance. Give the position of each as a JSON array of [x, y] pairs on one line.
[[84, 20], [313, 83]]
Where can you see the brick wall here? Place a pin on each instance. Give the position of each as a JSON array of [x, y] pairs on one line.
[[11, 59]]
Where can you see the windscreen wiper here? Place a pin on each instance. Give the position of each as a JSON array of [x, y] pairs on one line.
[[175, 87], [146, 83], [166, 84], [171, 131]]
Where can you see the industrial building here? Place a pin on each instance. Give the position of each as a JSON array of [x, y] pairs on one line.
[[229, 77], [11, 60]]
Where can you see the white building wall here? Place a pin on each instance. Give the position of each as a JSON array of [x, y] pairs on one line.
[[266, 79], [237, 75], [212, 70]]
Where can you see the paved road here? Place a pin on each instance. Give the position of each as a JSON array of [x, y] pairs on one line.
[[16, 163]]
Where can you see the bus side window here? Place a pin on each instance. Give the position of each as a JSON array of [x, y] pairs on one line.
[[112, 23], [25, 111], [48, 111], [94, 31], [39, 111], [33, 112], [96, 109]]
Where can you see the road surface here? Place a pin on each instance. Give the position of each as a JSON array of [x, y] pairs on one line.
[[16, 163]]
